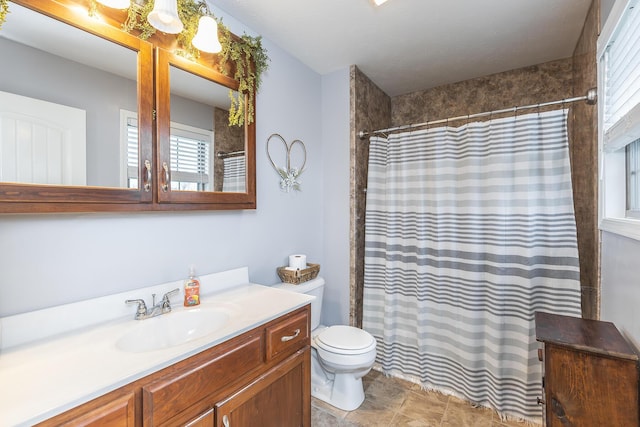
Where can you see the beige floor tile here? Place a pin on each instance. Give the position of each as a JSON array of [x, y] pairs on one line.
[[461, 414], [391, 402], [498, 423], [321, 418], [428, 407], [372, 413], [401, 420], [324, 406], [386, 392]]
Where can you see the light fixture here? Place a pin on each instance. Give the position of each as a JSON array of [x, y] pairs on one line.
[[379, 2], [164, 17], [206, 39], [116, 4]]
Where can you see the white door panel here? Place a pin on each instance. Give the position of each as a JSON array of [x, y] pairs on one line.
[[41, 142]]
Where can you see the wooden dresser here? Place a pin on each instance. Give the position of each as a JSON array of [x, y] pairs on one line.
[[590, 373]]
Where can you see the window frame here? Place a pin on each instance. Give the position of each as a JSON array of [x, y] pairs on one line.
[[612, 189]]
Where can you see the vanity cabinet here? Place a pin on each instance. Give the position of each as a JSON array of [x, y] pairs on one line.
[[233, 384], [109, 410], [590, 373]]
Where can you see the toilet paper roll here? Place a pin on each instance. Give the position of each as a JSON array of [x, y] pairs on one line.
[[298, 262]]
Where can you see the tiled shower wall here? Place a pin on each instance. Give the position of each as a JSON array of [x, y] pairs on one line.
[[372, 109]]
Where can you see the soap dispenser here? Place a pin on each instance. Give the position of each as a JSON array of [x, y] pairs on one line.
[[192, 289]]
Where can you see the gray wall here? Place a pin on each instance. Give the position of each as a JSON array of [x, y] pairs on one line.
[[621, 284], [46, 260], [336, 196]]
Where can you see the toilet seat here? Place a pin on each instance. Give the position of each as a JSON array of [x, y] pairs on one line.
[[345, 340]]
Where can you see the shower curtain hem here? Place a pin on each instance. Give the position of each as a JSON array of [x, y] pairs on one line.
[[533, 422]]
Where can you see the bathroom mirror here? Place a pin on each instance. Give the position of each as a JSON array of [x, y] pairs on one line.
[[202, 158], [62, 94], [117, 101]]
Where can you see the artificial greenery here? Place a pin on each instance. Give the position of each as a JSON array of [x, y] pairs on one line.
[[247, 54], [242, 52], [251, 61], [4, 9]]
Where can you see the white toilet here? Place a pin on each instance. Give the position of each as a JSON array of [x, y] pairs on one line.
[[340, 355]]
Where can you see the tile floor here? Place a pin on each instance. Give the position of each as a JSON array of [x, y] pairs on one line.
[[391, 402]]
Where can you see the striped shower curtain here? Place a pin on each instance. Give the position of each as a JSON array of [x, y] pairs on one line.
[[469, 231]]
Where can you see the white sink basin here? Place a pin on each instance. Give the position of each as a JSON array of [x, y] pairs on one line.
[[172, 329]]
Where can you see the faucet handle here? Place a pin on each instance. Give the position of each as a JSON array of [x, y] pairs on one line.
[[142, 307], [166, 296], [166, 304]]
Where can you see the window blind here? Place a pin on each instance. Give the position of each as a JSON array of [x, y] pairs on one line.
[[621, 112], [132, 152], [190, 160]]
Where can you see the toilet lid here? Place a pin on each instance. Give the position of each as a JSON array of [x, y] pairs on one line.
[[345, 339]]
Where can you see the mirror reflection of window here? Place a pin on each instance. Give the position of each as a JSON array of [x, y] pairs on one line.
[[191, 161], [191, 158], [201, 104]]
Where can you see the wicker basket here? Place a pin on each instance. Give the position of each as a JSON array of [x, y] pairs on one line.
[[299, 276]]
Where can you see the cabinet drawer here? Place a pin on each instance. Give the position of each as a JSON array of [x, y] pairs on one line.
[[169, 396], [288, 335]]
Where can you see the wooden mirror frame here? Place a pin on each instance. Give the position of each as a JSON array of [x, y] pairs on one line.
[[33, 198], [208, 199]]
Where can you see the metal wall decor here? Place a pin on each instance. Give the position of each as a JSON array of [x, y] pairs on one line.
[[288, 175]]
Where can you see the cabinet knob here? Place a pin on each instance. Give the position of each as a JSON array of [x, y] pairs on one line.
[[225, 421]]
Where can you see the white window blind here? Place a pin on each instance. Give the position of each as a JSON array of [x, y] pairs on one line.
[[190, 160], [621, 56], [132, 152]]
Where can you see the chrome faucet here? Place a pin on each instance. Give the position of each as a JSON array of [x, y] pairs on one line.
[[164, 306]]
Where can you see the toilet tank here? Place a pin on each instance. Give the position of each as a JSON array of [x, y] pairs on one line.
[[313, 287]]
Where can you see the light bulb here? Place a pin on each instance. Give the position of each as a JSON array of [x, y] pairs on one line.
[[164, 17], [206, 39]]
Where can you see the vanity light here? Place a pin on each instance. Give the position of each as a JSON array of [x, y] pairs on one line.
[[379, 2], [206, 39], [164, 17], [116, 4]]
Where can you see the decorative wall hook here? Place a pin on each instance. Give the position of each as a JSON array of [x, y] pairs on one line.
[[288, 175]]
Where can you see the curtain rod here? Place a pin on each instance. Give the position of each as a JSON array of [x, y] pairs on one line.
[[590, 98], [223, 155]]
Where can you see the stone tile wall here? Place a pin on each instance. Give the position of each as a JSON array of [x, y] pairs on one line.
[[370, 110]]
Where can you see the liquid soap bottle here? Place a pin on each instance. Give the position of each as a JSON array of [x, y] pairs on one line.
[[192, 289]]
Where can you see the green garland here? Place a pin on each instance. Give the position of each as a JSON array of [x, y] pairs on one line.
[[251, 61], [4, 9], [241, 52]]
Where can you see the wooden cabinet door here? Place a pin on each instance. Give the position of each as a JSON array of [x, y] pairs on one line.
[[103, 412], [279, 398], [589, 390], [202, 420]]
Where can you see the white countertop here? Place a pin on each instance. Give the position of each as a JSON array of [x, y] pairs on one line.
[[46, 377]]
